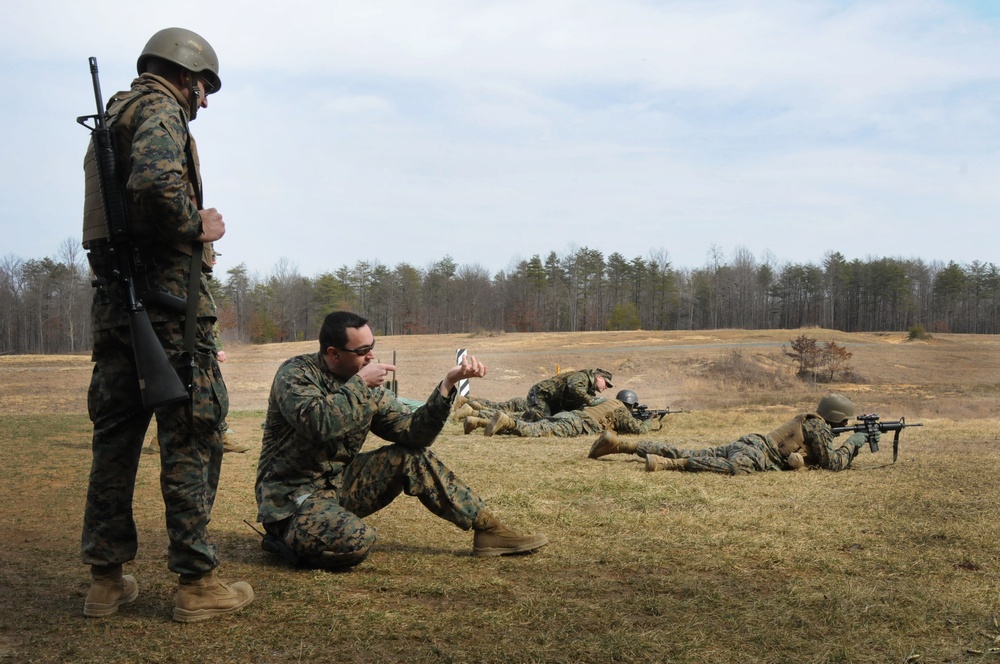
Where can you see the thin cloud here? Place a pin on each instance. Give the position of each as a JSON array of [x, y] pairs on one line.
[[397, 131]]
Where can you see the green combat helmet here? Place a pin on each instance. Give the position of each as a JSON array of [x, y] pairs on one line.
[[187, 49], [835, 408]]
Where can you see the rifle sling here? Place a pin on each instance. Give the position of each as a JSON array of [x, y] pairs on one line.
[[193, 291], [197, 255]]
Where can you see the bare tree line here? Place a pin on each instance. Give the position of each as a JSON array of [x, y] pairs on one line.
[[45, 304]]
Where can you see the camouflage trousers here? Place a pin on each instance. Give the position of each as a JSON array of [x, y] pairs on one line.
[[327, 529], [562, 425], [746, 455], [515, 405], [190, 450], [535, 407]]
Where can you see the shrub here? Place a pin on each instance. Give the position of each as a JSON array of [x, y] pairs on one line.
[[482, 332], [624, 317], [819, 363], [805, 353]]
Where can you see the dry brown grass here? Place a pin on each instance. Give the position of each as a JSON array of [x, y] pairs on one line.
[[884, 563]]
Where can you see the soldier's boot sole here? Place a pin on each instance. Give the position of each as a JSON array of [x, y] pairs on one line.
[[510, 546]]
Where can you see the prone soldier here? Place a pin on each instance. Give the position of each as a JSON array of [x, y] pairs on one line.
[[807, 440]]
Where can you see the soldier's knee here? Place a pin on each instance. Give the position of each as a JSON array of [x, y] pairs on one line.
[[741, 469], [337, 560], [336, 542]]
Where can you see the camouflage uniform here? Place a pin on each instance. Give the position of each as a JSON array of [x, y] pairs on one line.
[[516, 405], [611, 414], [807, 434], [568, 391], [314, 485], [151, 137]]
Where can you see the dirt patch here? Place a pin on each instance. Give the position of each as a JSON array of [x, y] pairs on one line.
[[954, 374]]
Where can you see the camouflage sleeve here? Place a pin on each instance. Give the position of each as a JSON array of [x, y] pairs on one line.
[[318, 414], [579, 391], [396, 423], [823, 445], [625, 423], [158, 170]]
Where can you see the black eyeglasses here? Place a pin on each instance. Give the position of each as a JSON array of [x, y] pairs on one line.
[[360, 350]]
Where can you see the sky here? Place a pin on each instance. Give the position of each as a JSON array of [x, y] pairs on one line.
[[394, 131]]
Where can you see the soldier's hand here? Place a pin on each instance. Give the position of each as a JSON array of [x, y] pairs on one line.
[[858, 439], [469, 367], [374, 373], [212, 225]]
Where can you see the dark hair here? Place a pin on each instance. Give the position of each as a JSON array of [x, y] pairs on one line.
[[334, 329]]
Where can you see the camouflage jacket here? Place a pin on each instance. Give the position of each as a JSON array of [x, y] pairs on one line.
[[615, 415], [158, 165], [317, 423], [568, 391], [818, 440]]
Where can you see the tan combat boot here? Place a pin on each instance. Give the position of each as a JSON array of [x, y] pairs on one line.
[[463, 412], [460, 401], [655, 462], [500, 421], [608, 443], [796, 461], [492, 538], [109, 589], [202, 597], [473, 423], [230, 445]]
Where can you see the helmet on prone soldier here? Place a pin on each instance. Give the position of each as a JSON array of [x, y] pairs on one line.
[[186, 49], [628, 397], [836, 408]]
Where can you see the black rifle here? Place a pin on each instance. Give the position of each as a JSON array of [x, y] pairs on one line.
[[274, 545], [869, 424], [114, 261], [642, 412]]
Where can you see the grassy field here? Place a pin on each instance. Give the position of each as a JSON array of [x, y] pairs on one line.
[[883, 563]]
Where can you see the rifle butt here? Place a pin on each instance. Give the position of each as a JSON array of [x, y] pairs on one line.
[[158, 381]]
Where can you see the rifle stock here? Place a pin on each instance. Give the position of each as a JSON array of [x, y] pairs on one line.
[[112, 260], [158, 382]]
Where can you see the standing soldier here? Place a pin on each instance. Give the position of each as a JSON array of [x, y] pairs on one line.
[[170, 232]]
